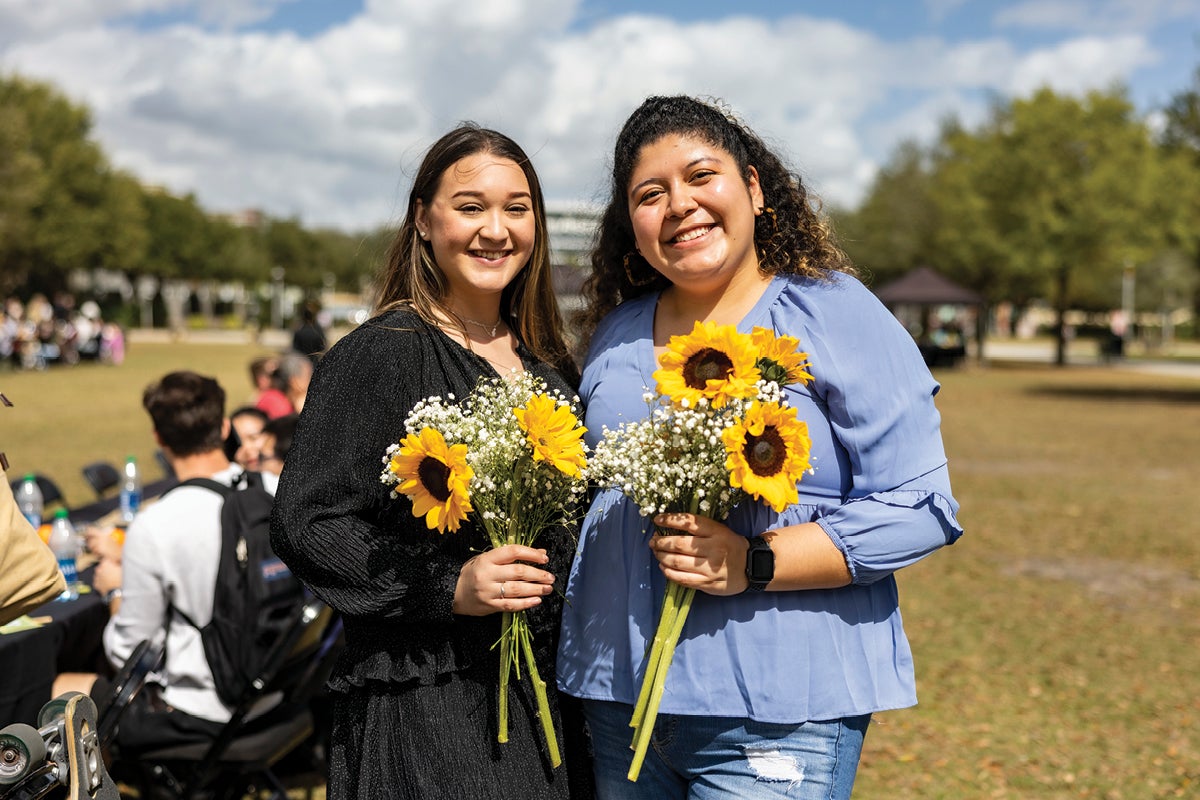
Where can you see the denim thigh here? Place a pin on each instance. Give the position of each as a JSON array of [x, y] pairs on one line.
[[705, 758]]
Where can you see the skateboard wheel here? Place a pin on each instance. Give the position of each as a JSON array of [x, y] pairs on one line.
[[55, 709], [21, 752]]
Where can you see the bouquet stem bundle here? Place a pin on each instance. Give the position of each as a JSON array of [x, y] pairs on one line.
[[517, 641], [515, 636], [676, 605]]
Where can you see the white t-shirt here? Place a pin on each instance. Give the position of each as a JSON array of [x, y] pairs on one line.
[[170, 556]]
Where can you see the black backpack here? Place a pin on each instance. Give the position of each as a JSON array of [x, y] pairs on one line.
[[256, 595]]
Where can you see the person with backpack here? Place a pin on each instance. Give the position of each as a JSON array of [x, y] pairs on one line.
[[174, 582]]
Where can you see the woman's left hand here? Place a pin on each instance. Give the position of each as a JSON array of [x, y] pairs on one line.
[[706, 555]]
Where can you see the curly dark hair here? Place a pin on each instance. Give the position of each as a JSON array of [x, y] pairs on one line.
[[411, 278], [790, 237]]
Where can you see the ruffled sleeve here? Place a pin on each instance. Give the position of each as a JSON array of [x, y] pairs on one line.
[[878, 397], [334, 523]]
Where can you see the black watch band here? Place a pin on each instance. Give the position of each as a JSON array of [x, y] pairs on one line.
[[760, 564]]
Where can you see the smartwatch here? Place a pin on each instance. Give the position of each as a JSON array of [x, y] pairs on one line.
[[760, 564]]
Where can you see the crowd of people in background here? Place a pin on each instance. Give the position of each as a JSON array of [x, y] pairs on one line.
[[41, 332]]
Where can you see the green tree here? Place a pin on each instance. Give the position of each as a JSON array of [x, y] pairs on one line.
[[1181, 139], [69, 208], [22, 183], [892, 232], [179, 238], [1052, 196]]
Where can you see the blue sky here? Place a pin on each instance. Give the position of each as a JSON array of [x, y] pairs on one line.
[[319, 109]]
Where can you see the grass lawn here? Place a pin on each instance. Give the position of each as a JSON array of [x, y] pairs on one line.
[[66, 417], [1056, 644]]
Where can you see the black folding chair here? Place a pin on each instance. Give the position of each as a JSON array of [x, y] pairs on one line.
[[51, 494], [239, 760], [102, 477], [129, 680]]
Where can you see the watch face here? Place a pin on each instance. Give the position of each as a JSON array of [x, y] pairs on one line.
[[762, 565]]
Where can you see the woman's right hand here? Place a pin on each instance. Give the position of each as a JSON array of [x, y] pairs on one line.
[[498, 581]]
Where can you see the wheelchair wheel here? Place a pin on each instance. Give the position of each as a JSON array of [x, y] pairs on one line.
[[54, 709], [21, 752]]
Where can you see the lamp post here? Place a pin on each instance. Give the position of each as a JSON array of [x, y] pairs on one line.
[[1128, 278], [277, 298]]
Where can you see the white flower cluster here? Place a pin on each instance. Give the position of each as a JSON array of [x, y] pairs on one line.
[[672, 461], [508, 489], [675, 459]]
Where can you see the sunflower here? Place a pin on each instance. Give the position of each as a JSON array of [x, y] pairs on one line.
[[435, 477], [779, 357], [553, 432], [713, 361], [767, 453]]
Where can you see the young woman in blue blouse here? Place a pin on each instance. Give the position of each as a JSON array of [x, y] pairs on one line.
[[794, 638]]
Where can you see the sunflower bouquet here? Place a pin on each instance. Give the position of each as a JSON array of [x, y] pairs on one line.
[[719, 431], [511, 456]]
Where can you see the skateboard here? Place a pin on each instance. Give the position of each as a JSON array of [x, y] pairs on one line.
[[59, 758]]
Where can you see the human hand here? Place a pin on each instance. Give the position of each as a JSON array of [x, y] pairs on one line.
[[497, 581], [101, 542], [107, 576], [705, 555]]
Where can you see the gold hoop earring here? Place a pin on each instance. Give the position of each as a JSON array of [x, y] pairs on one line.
[[629, 273]]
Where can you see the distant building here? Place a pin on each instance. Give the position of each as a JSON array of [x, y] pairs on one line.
[[572, 228]]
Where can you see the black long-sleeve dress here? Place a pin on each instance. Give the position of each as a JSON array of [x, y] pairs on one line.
[[415, 711]]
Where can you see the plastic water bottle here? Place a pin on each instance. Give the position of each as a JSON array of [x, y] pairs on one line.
[[131, 492], [29, 501], [64, 542]]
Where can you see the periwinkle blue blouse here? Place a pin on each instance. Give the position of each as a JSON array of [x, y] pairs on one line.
[[880, 489]]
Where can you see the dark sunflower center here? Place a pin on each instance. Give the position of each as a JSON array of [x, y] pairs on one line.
[[706, 365], [765, 454], [435, 477]]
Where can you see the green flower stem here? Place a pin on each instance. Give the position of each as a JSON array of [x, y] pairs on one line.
[[543, 702], [646, 728], [506, 627], [666, 619]]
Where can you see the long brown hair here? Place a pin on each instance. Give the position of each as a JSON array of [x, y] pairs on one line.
[[792, 237], [411, 278]]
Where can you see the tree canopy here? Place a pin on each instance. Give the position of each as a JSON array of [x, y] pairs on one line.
[[1052, 197], [63, 207]]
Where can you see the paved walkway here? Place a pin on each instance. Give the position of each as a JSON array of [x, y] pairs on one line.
[[1085, 353]]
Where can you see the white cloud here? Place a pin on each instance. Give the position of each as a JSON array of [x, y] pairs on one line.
[[329, 128], [1079, 65]]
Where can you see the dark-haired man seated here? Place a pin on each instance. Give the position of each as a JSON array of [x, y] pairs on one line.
[[170, 559]]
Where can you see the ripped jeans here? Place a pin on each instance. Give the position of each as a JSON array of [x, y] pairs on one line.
[[704, 758]]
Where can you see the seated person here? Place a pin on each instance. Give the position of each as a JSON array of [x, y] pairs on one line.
[[248, 422], [170, 560], [261, 370], [276, 442]]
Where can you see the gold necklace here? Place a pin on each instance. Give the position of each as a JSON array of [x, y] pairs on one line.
[[491, 329]]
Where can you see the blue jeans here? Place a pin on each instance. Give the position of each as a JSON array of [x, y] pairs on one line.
[[704, 758]]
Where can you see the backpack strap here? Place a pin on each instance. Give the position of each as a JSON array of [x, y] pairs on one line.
[[205, 483], [224, 491]]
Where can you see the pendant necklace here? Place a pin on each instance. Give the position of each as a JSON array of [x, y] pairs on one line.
[[491, 329]]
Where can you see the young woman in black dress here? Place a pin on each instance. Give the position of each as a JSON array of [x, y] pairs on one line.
[[466, 292]]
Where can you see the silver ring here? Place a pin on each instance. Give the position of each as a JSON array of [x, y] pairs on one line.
[[502, 589]]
